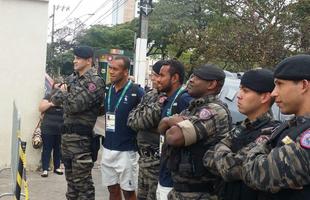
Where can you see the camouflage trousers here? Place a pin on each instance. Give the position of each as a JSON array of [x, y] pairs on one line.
[[147, 182], [174, 195], [76, 155]]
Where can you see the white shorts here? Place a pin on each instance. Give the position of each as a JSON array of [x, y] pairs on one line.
[[120, 167], [162, 192]]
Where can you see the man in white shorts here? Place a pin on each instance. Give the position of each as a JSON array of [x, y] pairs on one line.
[[119, 158]]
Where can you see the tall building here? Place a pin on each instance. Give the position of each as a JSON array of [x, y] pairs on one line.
[[123, 11]]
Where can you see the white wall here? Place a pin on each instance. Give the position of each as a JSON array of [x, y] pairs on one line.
[[22, 65]]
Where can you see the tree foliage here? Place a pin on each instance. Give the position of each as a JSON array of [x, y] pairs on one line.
[[237, 34], [116, 37], [60, 56], [59, 53]]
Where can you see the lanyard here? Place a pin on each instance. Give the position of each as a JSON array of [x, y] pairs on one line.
[[169, 111], [120, 98]]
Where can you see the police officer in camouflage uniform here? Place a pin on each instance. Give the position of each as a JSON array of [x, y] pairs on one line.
[[254, 101], [282, 164], [190, 134], [80, 98], [144, 119]]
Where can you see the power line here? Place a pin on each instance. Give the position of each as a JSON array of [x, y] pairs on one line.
[[78, 4], [102, 5], [106, 14], [100, 16], [92, 14], [99, 8], [109, 12], [116, 3], [82, 23]]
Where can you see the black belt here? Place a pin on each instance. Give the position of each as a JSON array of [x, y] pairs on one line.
[[77, 128], [200, 187]]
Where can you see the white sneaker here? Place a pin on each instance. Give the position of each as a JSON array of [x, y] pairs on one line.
[[44, 174], [58, 171]]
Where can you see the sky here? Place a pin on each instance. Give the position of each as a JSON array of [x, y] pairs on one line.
[[90, 11]]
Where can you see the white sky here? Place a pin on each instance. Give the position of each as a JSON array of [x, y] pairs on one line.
[[98, 11]]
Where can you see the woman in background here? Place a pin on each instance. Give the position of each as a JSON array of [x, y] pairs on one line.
[[51, 133]]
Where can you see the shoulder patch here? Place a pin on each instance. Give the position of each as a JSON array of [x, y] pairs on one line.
[[92, 87], [305, 139], [162, 99], [205, 113]]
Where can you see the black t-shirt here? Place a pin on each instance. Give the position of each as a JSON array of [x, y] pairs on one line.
[[52, 119]]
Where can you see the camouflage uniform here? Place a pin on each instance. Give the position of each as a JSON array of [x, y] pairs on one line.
[[210, 119], [228, 155], [81, 105], [144, 119], [282, 165]]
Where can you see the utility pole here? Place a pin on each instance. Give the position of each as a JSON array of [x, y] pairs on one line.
[[53, 33], [145, 7]]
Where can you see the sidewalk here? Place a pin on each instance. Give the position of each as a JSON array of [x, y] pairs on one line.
[[51, 188]]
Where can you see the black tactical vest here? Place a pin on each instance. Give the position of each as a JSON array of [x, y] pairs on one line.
[[248, 135], [293, 133], [237, 190]]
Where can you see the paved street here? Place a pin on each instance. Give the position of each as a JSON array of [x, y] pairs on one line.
[[51, 188]]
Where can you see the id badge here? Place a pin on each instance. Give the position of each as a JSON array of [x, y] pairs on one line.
[[110, 122], [161, 142]]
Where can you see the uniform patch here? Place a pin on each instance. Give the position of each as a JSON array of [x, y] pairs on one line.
[[162, 99], [305, 139], [205, 114], [92, 87]]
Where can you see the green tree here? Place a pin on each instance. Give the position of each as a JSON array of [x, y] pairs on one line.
[[177, 26], [59, 51], [301, 26], [116, 37], [60, 56], [237, 34]]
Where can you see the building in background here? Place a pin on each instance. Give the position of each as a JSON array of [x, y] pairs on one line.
[[123, 11], [23, 57]]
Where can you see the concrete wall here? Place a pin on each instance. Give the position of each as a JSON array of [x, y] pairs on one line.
[[23, 33]]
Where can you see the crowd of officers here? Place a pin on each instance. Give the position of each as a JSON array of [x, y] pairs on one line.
[[188, 147]]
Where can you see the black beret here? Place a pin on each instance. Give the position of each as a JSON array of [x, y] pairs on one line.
[[157, 66], [259, 80], [83, 52], [209, 72], [294, 68]]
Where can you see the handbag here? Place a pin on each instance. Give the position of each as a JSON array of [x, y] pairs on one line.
[[36, 136]]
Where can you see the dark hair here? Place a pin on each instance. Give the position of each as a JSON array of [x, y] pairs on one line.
[[176, 67], [219, 86], [125, 60]]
